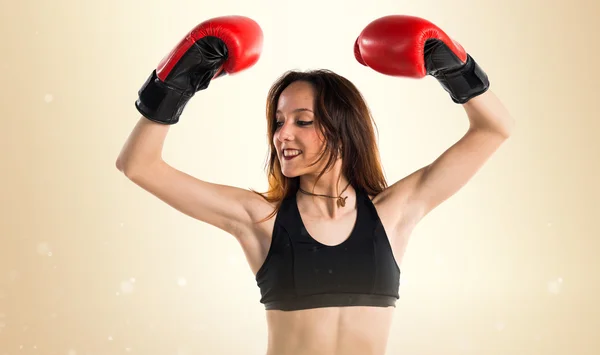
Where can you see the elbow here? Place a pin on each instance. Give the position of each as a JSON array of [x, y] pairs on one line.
[[123, 164], [119, 165], [134, 169], [124, 167], [507, 129], [512, 124]]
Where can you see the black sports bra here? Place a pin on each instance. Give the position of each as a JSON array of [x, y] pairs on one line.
[[301, 273]]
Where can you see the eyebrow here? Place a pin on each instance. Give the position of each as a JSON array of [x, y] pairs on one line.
[[302, 109]]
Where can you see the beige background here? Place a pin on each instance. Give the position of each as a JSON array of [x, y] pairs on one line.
[[90, 264]]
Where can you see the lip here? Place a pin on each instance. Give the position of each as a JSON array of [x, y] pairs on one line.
[[290, 158]]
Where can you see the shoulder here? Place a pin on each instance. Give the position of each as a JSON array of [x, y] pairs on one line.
[[394, 203], [255, 233], [399, 192], [259, 206]]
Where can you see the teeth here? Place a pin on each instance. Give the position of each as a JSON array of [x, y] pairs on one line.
[[291, 152]]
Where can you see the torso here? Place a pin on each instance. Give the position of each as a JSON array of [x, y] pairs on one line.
[[333, 330]]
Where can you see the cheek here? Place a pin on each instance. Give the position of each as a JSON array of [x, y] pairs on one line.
[[315, 145], [317, 138]]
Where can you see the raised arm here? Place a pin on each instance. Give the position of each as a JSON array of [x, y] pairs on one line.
[[413, 47], [216, 47], [490, 126]]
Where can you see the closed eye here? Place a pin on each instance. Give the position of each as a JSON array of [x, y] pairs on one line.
[[300, 123]]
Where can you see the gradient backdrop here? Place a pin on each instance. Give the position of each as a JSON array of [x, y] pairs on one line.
[[90, 264]]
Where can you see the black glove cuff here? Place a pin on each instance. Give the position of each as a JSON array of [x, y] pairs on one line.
[[464, 83], [159, 102]]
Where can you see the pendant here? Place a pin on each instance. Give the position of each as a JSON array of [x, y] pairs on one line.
[[341, 202]]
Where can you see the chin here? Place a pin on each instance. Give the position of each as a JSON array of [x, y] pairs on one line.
[[290, 174]]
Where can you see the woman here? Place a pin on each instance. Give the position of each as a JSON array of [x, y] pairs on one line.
[[326, 241]]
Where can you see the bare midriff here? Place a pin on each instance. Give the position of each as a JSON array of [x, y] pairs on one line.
[[329, 331]]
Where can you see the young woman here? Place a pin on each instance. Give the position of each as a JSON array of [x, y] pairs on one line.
[[326, 241]]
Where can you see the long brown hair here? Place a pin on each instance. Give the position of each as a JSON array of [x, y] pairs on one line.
[[344, 120]]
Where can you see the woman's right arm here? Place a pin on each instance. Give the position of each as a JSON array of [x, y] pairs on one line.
[[222, 45], [225, 207]]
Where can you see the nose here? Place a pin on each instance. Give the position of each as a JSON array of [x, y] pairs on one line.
[[285, 133]]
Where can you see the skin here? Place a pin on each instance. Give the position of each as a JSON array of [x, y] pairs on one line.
[[361, 330], [332, 330], [321, 331], [297, 129]]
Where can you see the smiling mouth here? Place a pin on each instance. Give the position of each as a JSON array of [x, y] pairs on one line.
[[290, 157]]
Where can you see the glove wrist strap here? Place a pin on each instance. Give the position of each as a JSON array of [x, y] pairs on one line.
[[159, 102], [465, 83]]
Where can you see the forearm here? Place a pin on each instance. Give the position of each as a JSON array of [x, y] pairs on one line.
[[487, 113], [143, 146]]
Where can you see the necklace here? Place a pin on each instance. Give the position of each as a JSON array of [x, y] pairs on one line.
[[341, 201]]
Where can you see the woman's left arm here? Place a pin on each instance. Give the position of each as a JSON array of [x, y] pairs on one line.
[[490, 125], [409, 46]]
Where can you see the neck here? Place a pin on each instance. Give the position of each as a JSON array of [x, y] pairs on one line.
[[326, 204]]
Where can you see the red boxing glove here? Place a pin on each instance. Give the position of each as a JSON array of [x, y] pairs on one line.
[[412, 47], [222, 45]]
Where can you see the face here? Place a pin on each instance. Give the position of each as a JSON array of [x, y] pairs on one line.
[[297, 130]]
